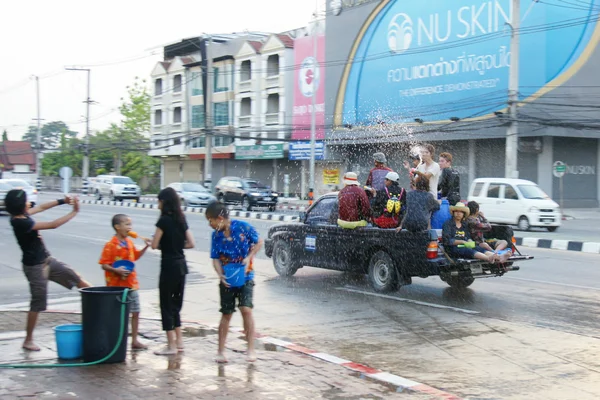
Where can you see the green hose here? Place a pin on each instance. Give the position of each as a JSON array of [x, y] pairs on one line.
[[121, 331]]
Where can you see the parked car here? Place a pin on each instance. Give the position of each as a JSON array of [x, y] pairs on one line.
[[391, 259], [32, 193], [515, 202], [4, 188], [192, 194], [248, 193], [117, 188]]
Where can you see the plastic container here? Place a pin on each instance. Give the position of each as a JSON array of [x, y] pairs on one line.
[[235, 275], [440, 216], [101, 323], [69, 341], [130, 265]]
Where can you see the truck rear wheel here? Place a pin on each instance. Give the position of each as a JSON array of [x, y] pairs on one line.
[[382, 272], [460, 282], [283, 259]]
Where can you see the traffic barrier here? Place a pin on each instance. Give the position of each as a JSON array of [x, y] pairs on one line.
[[38, 184], [85, 186]]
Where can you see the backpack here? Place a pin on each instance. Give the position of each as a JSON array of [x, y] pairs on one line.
[[394, 204]]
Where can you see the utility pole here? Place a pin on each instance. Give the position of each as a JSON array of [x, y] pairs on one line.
[[86, 159], [208, 117], [311, 184], [38, 139], [512, 139]]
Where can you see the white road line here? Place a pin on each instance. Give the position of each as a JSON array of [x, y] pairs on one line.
[[553, 283], [421, 303]]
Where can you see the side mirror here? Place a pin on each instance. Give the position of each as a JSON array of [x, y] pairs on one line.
[[303, 216]]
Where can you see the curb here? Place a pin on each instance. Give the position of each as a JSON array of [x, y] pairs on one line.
[[199, 210], [401, 384], [558, 244]]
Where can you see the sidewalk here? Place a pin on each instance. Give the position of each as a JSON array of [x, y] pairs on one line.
[[278, 374]]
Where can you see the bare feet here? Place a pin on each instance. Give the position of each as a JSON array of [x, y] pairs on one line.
[[138, 346], [251, 356], [180, 347], [30, 346], [504, 257], [166, 351], [220, 359]]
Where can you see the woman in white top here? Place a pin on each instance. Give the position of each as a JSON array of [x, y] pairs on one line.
[[430, 168]]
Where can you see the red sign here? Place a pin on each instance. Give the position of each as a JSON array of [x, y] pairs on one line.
[[309, 79]]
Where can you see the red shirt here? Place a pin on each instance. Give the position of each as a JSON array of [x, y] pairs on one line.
[[354, 204]]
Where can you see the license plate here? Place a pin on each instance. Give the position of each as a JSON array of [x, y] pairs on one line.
[[547, 220], [266, 198], [477, 269]]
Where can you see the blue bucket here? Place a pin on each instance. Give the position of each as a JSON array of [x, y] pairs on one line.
[[235, 274], [69, 341], [130, 265]]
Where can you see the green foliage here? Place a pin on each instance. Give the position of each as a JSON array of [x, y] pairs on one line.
[[136, 109], [4, 136], [69, 155], [50, 135]]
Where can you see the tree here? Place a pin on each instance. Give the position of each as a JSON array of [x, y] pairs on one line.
[[50, 134], [4, 136], [136, 109]]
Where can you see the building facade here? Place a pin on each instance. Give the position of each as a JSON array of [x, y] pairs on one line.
[[399, 74]]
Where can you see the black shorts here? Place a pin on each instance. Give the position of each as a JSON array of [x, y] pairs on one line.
[[243, 295]]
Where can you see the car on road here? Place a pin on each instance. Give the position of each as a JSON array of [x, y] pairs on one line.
[[515, 202], [391, 259], [32, 193], [116, 188], [192, 194], [248, 193], [4, 188]]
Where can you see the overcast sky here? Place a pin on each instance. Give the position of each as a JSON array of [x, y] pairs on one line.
[[41, 37]]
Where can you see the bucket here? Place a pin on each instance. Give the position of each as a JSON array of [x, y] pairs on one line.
[[69, 341], [235, 275], [129, 265]]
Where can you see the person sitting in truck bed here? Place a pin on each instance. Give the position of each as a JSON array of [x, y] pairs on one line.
[[420, 203], [457, 238], [478, 224], [354, 207], [389, 204]]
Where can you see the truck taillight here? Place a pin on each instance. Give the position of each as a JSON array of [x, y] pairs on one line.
[[432, 250]]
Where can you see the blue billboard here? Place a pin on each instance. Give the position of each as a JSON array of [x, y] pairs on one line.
[[301, 150], [433, 60]]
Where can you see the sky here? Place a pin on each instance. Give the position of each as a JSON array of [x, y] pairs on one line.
[[117, 40]]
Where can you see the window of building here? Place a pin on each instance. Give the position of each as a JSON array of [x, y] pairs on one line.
[[221, 113], [177, 115], [196, 84], [158, 117], [198, 142], [176, 141], [198, 117], [156, 143], [177, 83], [246, 71], [158, 89], [222, 141], [223, 78], [273, 65], [245, 107], [273, 103]]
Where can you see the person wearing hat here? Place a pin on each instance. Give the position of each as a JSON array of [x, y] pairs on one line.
[[457, 238], [354, 208], [478, 224], [389, 204], [376, 178]]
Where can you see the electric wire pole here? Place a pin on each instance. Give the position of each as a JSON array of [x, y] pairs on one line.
[[512, 139], [208, 115], [311, 184], [38, 139], [86, 160]]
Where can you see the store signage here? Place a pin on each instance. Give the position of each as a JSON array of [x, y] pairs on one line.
[[259, 152], [301, 150]]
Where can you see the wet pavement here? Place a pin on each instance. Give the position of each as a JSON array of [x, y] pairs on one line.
[[192, 374]]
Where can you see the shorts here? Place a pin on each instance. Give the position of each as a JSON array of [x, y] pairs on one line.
[[463, 252], [134, 301], [39, 275], [243, 295]]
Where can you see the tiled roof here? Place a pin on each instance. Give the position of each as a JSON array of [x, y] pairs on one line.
[[287, 41], [166, 64], [187, 60], [255, 45], [17, 153]]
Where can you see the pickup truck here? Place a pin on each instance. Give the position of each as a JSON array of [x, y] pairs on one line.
[[391, 259]]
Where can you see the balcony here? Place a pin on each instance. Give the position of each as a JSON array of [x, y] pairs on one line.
[[245, 86], [274, 118], [272, 81], [245, 121]]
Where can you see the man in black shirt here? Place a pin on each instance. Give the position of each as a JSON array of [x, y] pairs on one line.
[[39, 267], [449, 184]]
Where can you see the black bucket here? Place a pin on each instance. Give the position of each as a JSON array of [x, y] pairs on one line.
[[101, 322]]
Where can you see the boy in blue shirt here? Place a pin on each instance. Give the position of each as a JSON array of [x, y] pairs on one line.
[[233, 242]]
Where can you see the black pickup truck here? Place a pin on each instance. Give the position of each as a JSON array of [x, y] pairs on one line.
[[390, 258]]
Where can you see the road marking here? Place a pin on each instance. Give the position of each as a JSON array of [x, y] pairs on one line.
[[553, 283], [420, 303], [60, 300]]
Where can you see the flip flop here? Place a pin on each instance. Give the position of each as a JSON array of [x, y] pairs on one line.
[[221, 359]]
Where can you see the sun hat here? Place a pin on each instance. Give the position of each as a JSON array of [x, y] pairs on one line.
[[392, 176], [380, 158], [462, 208], [350, 178]]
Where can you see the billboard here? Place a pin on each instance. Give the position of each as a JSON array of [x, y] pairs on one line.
[[309, 77], [259, 152], [433, 60], [301, 151]]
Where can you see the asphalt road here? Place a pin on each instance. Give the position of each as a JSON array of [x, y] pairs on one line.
[[530, 334]]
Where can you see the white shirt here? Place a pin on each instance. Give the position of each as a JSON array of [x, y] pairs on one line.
[[435, 171]]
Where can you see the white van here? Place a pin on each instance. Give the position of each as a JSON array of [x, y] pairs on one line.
[[515, 202]]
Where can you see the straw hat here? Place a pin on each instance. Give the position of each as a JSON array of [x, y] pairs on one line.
[[462, 208], [350, 178]]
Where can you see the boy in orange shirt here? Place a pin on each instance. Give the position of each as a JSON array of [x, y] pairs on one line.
[[120, 247]]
